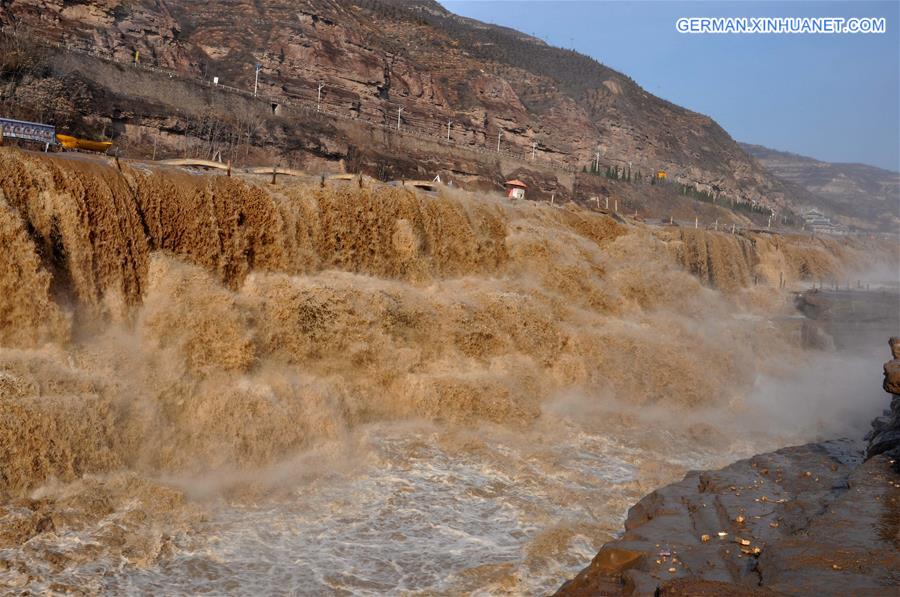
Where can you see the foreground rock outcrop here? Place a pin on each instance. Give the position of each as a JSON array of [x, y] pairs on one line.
[[885, 435], [818, 519]]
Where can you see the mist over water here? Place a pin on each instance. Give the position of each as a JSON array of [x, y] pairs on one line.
[[837, 394], [215, 385]]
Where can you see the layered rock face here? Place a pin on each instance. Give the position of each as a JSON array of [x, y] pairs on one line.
[[374, 57], [818, 519], [855, 193]]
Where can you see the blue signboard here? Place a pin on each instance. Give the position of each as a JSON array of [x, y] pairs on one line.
[[30, 131]]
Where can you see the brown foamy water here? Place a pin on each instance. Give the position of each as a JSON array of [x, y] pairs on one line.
[[210, 384]]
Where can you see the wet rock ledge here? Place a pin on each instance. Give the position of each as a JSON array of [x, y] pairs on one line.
[[818, 519]]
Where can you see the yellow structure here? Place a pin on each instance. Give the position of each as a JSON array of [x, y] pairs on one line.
[[661, 175], [74, 143]]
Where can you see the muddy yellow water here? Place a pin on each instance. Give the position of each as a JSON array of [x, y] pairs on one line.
[[210, 384]]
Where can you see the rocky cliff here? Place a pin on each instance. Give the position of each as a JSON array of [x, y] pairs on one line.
[[818, 519], [374, 58], [856, 194]]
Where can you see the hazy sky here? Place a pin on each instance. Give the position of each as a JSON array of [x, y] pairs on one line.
[[834, 97]]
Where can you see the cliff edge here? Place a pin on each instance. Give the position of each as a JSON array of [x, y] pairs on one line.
[[817, 519]]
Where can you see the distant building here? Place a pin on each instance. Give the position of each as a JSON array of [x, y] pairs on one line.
[[515, 189], [817, 222]]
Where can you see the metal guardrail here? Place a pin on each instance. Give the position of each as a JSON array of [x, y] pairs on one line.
[[698, 225]]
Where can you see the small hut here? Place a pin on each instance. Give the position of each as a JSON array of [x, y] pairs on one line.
[[515, 189]]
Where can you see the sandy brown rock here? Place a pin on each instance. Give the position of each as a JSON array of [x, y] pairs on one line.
[[885, 435], [892, 376]]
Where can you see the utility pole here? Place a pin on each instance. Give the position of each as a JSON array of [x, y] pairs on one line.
[[256, 81], [399, 110], [319, 98], [449, 122]]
